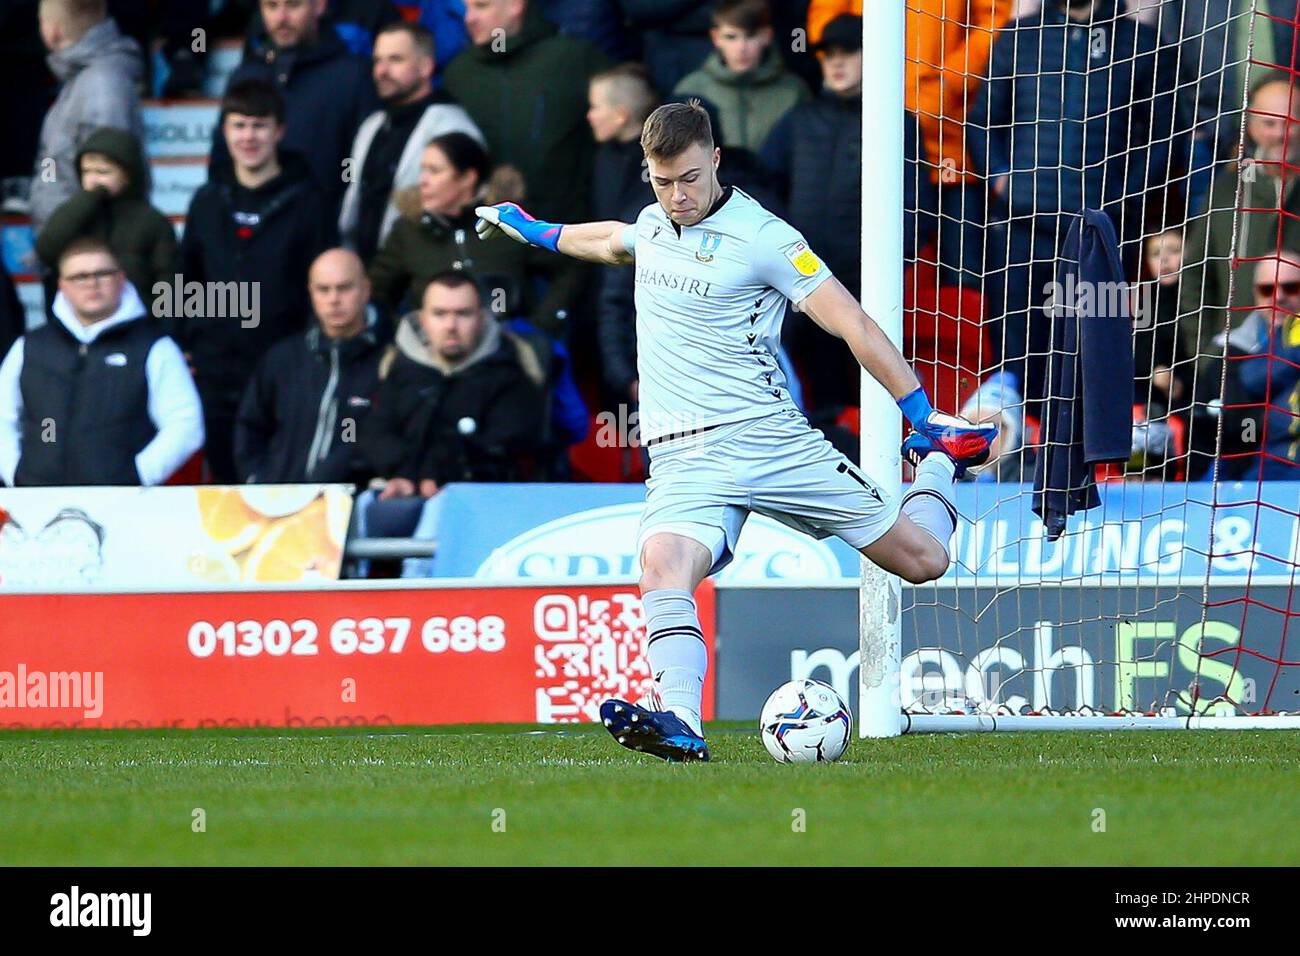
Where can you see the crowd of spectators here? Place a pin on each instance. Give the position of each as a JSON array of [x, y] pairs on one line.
[[337, 318]]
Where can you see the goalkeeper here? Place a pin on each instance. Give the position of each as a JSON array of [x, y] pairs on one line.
[[714, 274]]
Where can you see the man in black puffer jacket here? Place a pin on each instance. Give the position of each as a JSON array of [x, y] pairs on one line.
[[253, 230], [99, 395], [304, 410], [462, 399]]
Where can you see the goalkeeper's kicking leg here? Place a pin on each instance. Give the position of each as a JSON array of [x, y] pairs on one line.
[[672, 568], [915, 547]]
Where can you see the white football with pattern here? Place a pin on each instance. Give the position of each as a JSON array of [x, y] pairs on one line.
[[805, 721]]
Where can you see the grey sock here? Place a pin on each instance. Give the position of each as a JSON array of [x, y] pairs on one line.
[[929, 502], [676, 651]]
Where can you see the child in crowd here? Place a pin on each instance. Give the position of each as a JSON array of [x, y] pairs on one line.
[[113, 207]]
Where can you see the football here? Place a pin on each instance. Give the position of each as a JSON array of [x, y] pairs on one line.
[[805, 721]]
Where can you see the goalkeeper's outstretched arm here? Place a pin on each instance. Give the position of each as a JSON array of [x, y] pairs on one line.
[[600, 242], [595, 242]]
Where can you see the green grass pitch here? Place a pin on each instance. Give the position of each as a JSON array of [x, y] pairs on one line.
[[505, 795]]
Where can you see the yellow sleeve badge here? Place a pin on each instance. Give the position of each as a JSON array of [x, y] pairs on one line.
[[803, 259]]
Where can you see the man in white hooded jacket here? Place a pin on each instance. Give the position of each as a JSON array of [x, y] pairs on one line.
[[99, 396]]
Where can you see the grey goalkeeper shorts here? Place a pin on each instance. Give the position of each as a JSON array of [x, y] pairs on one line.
[[704, 486]]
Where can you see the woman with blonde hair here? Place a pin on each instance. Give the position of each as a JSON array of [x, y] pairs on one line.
[[436, 233]]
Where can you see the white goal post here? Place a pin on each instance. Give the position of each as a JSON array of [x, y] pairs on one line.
[[880, 598], [1168, 606]]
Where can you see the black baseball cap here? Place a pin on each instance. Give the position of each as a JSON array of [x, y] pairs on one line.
[[844, 32]]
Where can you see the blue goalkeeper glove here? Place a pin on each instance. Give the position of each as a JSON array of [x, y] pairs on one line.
[[965, 442], [510, 219]]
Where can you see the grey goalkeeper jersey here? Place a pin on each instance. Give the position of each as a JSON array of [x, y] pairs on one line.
[[710, 299]]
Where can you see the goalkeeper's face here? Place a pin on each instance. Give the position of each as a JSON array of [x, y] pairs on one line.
[[687, 184]]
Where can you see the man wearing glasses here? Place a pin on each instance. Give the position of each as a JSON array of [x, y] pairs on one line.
[[1264, 352], [99, 396]]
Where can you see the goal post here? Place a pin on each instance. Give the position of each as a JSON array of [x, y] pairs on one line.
[[1169, 604], [880, 596]]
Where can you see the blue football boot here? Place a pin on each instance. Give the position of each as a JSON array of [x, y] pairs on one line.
[[660, 733]]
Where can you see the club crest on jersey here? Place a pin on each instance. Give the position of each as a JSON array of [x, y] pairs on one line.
[[803, 259], [709, 243]]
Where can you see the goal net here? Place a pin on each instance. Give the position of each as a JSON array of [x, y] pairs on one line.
[[1164, 597]]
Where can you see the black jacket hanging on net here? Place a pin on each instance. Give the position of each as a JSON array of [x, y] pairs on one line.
[[1088, 412]]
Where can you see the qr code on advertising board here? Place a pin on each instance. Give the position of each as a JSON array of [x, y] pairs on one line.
[[588, 649]]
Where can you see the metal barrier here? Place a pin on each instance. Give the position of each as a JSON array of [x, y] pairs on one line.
[[389, 549]]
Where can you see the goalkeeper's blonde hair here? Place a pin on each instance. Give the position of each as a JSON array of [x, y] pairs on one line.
[[675, 127]]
